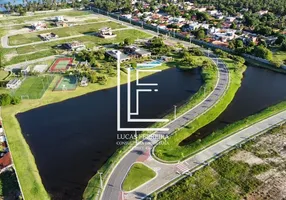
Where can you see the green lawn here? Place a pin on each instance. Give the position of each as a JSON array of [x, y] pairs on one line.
[[279, 55], [34, 87], [137, 175], [62, 32], [170, 150], [3, 74]]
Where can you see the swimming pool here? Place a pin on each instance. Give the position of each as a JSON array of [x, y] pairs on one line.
[[151, 64]]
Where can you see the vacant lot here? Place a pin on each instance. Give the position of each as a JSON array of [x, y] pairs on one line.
[[62, 32], [257, 171], [47, 49], [10, 20]]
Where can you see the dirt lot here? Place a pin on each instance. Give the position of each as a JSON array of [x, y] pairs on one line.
[[270, 149]]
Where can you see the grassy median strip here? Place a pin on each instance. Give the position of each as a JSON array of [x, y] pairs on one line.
[[170, 150], [137, 175]]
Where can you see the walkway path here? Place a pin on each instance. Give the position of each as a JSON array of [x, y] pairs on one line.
[[165, 172]]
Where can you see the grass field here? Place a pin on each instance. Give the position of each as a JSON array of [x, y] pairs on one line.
[[137, 175], [34, 87], [171, 150], [279, 55], [10, 20], [62, 32], [3, 74]]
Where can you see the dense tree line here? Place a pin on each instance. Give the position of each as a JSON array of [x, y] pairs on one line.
[[40, 5], [7, 99], [233, 6]]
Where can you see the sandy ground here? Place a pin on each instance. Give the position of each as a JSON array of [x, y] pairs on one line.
[[269, 149]]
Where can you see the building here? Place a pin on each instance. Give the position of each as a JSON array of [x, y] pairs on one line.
[[84, 82], [136, 51], [25, 70], [74, 46], [38, 26], [112, 53], [40, 68], [106, 32], [59, 19], [13, 84], [48, 36]]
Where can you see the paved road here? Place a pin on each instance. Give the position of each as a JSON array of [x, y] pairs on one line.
[[113, 187]]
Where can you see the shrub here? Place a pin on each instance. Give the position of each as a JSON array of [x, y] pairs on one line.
[[6, 99]]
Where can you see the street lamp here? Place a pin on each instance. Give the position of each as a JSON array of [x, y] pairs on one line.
[[101, 182], [175, 111], [136, 137]]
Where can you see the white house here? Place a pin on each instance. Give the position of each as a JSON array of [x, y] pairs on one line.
[[25, 70], [13, 84], [59, 18], [84, 82]]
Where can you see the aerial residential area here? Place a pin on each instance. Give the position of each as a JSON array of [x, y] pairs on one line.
[[127, 99]]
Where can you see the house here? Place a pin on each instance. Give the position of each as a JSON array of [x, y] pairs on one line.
[[262, 12], [13, 84], [59, 19], [74, 46], [113, 53], [106, 32], [229, 19], [48, 36], [194, 26], [84, 82], [212, 12], [38, 26], [5, 161], [136, 51], [25, 70]]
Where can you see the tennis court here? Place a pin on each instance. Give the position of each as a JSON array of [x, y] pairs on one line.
[[61, 65], [34, 87], [66, 83]]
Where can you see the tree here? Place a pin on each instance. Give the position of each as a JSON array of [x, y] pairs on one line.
[[277, 63], [200, 34], [128, 41], [280, 39], [262, 52]]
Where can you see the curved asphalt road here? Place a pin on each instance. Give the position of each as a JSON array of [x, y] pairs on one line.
[[112, 190]]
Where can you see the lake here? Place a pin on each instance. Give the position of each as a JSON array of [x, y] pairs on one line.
[[260, 89], [72, 139]]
